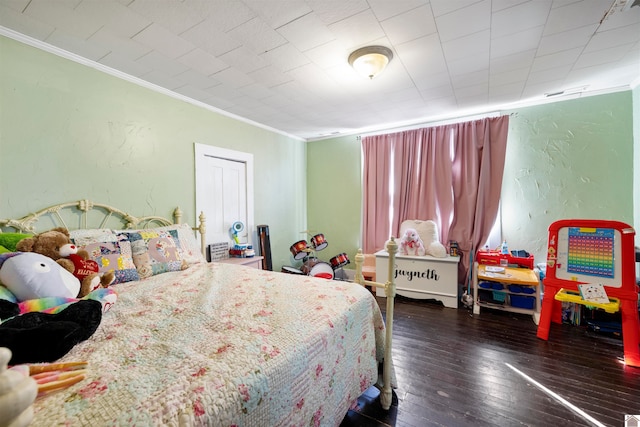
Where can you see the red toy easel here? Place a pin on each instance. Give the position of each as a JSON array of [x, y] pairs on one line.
[[593, 251]]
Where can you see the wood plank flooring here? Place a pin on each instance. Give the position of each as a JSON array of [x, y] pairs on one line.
[[452, 369]]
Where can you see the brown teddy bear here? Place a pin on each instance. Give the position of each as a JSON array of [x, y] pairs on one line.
[[56, 244]]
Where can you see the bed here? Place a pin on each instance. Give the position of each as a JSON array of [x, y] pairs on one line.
[[213, 343]]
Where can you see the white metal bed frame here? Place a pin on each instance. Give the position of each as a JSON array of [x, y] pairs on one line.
[[79, 211]]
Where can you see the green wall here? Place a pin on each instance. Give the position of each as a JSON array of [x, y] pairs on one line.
[[569, 159], [70, 132]]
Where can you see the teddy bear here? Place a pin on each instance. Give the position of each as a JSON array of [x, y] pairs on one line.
[[411, 243], [56, 244]]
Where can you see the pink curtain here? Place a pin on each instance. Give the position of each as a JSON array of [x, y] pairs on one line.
[[451, 174]]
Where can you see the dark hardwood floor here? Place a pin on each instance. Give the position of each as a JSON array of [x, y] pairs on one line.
[[452, 369]]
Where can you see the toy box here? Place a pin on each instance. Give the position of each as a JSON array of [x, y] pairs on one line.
[[492, 257]]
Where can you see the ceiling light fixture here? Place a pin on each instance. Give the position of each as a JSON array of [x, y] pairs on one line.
[[370, 60]]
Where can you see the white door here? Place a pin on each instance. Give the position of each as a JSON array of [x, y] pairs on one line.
[[224, 192]]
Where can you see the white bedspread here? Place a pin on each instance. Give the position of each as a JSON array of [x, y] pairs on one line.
[[223, 345]]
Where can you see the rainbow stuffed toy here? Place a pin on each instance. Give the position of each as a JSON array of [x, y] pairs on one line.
[[41, 320]]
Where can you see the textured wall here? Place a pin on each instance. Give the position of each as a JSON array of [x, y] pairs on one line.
[[567, 159], [69, 132]]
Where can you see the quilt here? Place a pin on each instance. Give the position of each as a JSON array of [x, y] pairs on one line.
[[224, 345]]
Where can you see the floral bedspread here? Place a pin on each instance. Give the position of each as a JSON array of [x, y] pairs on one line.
[[224, 345]]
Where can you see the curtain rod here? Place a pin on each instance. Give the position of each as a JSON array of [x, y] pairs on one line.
[[434, 123]]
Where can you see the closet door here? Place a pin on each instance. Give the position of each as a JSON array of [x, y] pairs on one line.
[[224, 192]]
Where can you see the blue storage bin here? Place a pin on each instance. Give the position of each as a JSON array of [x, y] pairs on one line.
[[520, 301], [515, 288]]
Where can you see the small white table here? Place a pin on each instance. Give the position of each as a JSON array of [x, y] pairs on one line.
[[421, 277], [254, 261]]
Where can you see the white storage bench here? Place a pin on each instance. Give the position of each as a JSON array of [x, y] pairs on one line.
[[421, 277]]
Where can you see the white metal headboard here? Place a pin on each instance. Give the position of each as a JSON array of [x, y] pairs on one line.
[[85, 214]]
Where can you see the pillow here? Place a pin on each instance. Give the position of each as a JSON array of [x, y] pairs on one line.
[[9, 240], [155, 251], [189, 246], [110, 250]]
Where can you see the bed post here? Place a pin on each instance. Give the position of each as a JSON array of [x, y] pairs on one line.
[[202, 229], [386, 394]]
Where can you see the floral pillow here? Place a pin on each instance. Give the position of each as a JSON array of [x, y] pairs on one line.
[[110, 250], [189, 246], [155, 251]]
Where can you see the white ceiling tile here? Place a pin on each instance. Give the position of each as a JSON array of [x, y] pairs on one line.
[[410, 25], [124, 64], [422, 57], [621, 19], [162, 40], [385, 9], [357, 30], [463, 47], [233, 78], [257, 36], [549, 75], [505, 92], [566, 57], [575, 15], [498, 5], [603, 56], [329, 54], [287, 57], [244, 60], [157, 61], [445, 91], [161, 79], [206, 36], [197, 80], [193, 92], [174, 16], [519, 17], [522, 59], [24, 24], [269, 76], [77, 46], [525, 40], [614, 37], [442, 7], [257, 91], [509, 77], [113, 42], [475, 79], [473, 62], [332, 11], [279, 13], [15, 5], [113, 17], [306, 32], [558, 42], [202, 61], [62, 14], [462, 22]]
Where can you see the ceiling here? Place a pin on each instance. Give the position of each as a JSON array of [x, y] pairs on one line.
[[282, 64]]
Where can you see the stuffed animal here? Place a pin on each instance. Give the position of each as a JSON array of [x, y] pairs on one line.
[[57, 245], [428, 233], [41, 318], [17, 393], [411, 243]]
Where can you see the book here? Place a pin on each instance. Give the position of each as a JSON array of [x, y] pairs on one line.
[[593, 292]]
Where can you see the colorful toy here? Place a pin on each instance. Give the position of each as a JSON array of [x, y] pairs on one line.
[[41, 318], [411, 243], [592, 252]]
